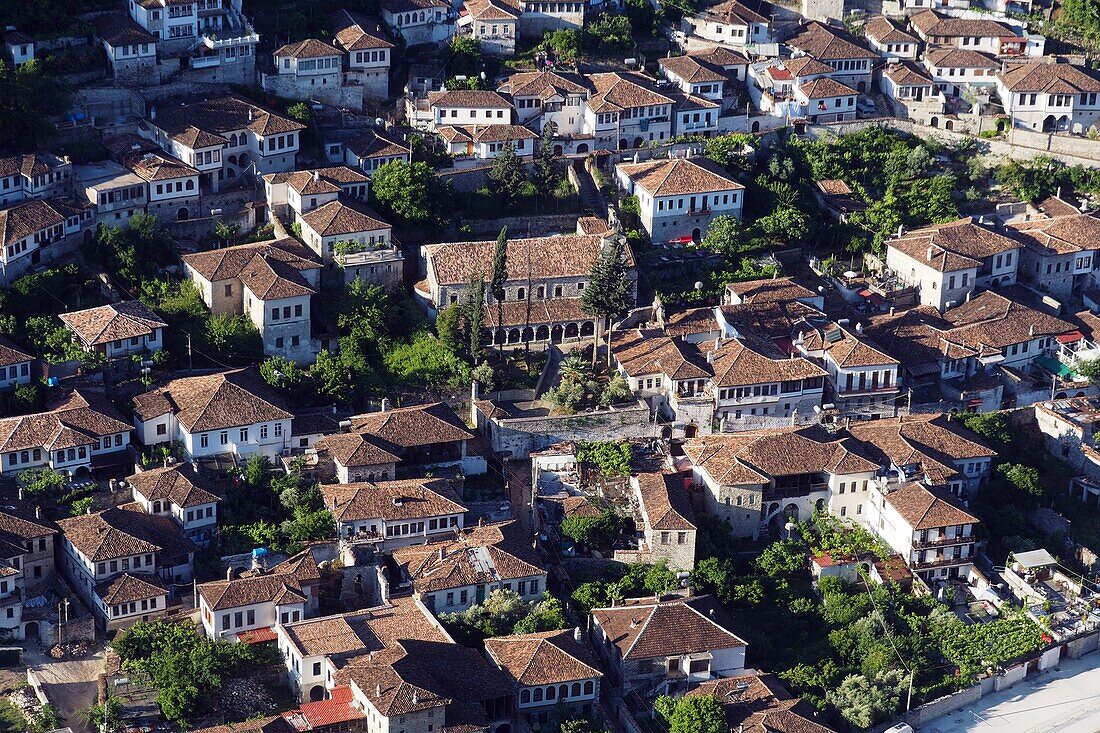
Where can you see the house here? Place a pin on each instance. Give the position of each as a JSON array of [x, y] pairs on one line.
[[36, 232], [493, 22], [419, 22], [434, 681], [771, 290], [12, 588], [552, 270], [330, 228], [714, 80], [890, 39], [294, 194], [912, 91], [80, 432], [464, 107], [249, 607], [309, 69], [225, 137], [228, 412], [169, 184], [549, 669], [272, 282], [181, 493], [1058, 253], [957, 71], [825, 99], [131, 50], [649, 643], [115, 192], [212, 38], [736, 23], [1070, 430], [116, 330], [34, 176], [373, 149], [665, 518], [838, 199], [669, 373], [974, 34], [321, 653], [1006, 331], [28, 529], [1051, 96], [549, 97], [755, 702], [15, 365], [485, 142], [679, 197], [946, 262], [334, 715], [849, 57], [125, 563], [412, 440], [368, 51], [450, 575], [395, 513], [933, 359], [861, 378], [928, 528], [626, 110], [18, 47], [542, 16], [752, 377], [765, 476]]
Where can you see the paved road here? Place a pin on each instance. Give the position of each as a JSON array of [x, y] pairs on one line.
[[1066, 699], [71, 685]]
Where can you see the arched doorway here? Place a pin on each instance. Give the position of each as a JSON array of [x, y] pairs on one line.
[[696, 235], [934, 122], [558, 151], [244, 162], [1049, 123], [542, 333], [773, 508], [528, 334], [513, 336], [30, 631], [622, 144], [861, 87], [582, 148], [691, 430], [555, 334], [572, 331], [755, 126], [791, 510], [638, 142], [588, 328], [949, 124], [317, 693], [183, 214]]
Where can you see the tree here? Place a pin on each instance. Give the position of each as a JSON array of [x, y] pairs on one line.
[[616, 391], [411, 192], [607, 294], [565, 44], [863, 702], [546, 178], [580, 725], [659, 578], [42, 483], [466, 56], [134, 253], [609, 33], [29, 97], [497, 281], [506, 179], [725, 236], [1087, 368], [448, 325], [226, 232], [473, 306], [300, 111], [698, 714], [785, 557], [1023, 478], [104, 717], [332, 377], [229, 338], [424, 362], [546, 615], [284, 375], [483, 375], [728, 151], [594, 532], [641, 15]]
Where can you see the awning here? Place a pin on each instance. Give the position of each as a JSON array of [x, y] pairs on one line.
[[874, 298], [1069, 338], [1052, 365]]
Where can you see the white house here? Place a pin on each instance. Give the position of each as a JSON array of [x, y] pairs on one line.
[[393, 514], [679, 197], [980, 33], [368, 51], [716, 74], [213, 35], [117, 330], [626, 110], [131, 50], [493, 22], [18, 47], [34, 176], [181, 493], [549, 97], [825, 99], [736, 23], [228, 412], [373, 149], [486, 142], [419, 22], [36, 232], [15, 365], [1050, 96], [847, 54], [308, 69], [862, 379], [957, 70], [463, 107], [250, 607], [890, 39]]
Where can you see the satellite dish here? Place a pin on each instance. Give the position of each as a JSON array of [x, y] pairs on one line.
[[698, 285], [850, 274]]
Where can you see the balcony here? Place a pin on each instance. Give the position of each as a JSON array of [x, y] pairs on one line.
[[942, 541], [940, 561], [367, 257]]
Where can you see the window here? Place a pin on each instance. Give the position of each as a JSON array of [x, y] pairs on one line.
[[316, 669], [204, 440], [244, 435]]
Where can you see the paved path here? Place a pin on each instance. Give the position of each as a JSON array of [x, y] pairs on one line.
[[71, 685], [1065, 699]]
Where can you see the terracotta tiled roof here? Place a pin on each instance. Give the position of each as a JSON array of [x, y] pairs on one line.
[[959, 58], [665, 501], [993, 320], [404, 6], [484, 133], [357, 32], [114, 322], [739, 362], [739, 12], [28, 165], [355, 450], [544, 658], [268, 724], [803, 66], [957, 245], [308, 49], [1055, 206], [843, 347], [119, 30], [700, 68], [178, 484], [617, 91], [544, 84], [28, 217], [932, 23], [117, 533], [10, 354], [337, 218], [923, 508], [919, 338], [202, 123], [80, 420], [885, 30], [553, 311], [650, 352], [274, 279], [561, 256], [214, 401], [771, 290], [374, 144], [931, 441], [282, 585], [127, 588], [153, 165], [392, 501], [825, 88], [651, 629], [758, 703], [499, 10], [826, 43], [480, 99], [23, 525], [409, 427], [336, 710], [322, 180], [485, 554], [1059, 235], [587, 225], [227, 264], [908, 73], [679, 176]]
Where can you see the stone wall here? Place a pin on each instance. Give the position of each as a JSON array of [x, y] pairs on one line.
[[523, 226], [942, 706], [520, 436]]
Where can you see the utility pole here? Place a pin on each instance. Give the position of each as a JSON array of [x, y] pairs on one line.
[[909, 697], [190, 361]]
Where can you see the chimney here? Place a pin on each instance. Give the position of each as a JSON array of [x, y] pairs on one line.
[[38, 512], [385, 404], [20, 493], [847, 423], [891, 310], [250, 114], [229, 573], [442, 553], [577, 634], [968, 294], [316, 176], [378, 690], [633, 623], [1031, 330], [416, 697], [901, 229], [931, 252]]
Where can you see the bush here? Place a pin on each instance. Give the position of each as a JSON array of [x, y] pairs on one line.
[[612, 459]]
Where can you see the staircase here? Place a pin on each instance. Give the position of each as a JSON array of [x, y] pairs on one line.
[[765, 531], [590, 196]]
